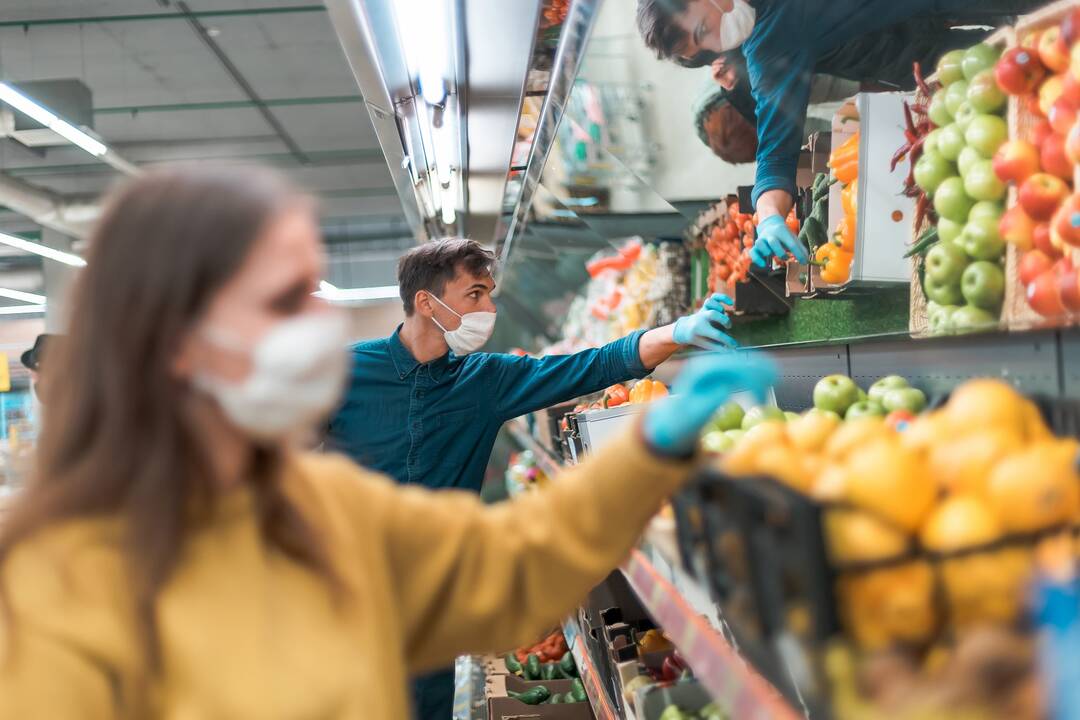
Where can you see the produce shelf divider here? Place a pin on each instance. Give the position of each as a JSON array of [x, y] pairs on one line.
[[593, 688]]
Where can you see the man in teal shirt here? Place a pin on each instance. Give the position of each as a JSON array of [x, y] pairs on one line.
[[424, 407]]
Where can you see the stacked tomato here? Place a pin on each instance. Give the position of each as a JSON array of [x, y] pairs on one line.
[[1043, 71], [555, 12], [728, 245]]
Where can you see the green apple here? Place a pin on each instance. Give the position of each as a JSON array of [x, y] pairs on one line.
[[986, 133], [930, 144], [931, 170], [729, 417], [945, 264], [978, 58], [968, 157], [984, 94], [911, 399], [735, 435], [965, 114], [762, 413], [938, 111], [885, 384], [789, 416], [828, 413], [716, 442], [941, 322], [952, 201], [949, 231], [864, 408], [943, 293], [982, 183], [970, 319], [981, 239], [951, 142], [955, 95], [986, 210], [983, 285], [950, 67], [836, 393]]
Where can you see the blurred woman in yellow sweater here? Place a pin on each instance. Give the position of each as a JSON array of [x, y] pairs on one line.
[[176, 557]]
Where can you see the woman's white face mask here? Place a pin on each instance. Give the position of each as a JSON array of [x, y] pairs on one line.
[[474, 331], [298, 373]]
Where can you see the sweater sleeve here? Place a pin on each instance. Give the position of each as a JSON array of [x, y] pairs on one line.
[[475, 578]]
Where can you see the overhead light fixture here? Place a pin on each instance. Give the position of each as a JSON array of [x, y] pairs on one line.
[[26, 297], [335, 294], [22, 309], [449, 201], [422, 26], [64, 129], [38, 249]]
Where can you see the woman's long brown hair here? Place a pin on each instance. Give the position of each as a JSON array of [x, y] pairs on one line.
[[117, 441]]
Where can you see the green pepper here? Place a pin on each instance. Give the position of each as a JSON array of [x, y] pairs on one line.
[[532, 667], [532, 696], [512, 664], [577, 691], [566, 664]]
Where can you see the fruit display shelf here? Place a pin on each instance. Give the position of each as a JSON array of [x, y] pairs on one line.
[[544, 459], [598, 700]]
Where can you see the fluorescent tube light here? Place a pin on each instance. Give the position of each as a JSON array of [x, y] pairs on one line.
[[22, 296], [422, 26], [38, 249], [46, 117], [22, 309]]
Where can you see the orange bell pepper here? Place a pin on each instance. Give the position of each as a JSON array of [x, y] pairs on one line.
[[647, 390]]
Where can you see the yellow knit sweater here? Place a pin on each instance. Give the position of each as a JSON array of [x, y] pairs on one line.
[[247, 633]]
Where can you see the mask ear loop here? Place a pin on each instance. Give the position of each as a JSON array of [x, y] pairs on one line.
[[436, 299]]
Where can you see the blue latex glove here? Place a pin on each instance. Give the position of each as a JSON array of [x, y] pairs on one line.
[[775, 239], [702, 328], [672, 425]]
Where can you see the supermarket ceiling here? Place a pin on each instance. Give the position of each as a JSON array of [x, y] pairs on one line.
[[245, 80]]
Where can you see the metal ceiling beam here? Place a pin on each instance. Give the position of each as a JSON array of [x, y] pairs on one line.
[[238, 77], [48, 209], [145, 17], [227, 105]]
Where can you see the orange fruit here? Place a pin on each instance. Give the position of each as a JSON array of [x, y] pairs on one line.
[[962, 465], [960, 522], [743, 458], [890, 605], [852, 435], [856, 536], [926, 431], [810, 431], [986, 403], [1037, 487], [986, 587], [890, 480], [830, 485], [784, 463]]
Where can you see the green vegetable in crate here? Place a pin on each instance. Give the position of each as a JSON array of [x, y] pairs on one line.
[[555, 699], [547, 671], [577, 691], [674, 712], [711, 712], [566, 664], [532, 696], [513, 665], [532, 667]]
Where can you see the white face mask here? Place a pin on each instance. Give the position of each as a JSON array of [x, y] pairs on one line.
[[298, 374], [475, 330], [736, 26]]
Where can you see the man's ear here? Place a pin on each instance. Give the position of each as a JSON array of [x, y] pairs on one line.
[[422, 303]]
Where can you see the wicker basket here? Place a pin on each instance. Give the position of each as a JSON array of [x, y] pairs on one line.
[[1018, 314], [918, 320]]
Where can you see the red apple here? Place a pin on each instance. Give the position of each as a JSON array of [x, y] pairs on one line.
[[1066, 222], [1074, 62], [1068, 285], [1052, 88], [1019, 71], [1033, 106], [1070, 87], [1040, 240], [1053, 158], [1032, 265], [1072, 144], [1062, 114], [1042, 194], [1044, 295], [1040, 131], [1016, 161], [1053, 51], [1016, 228]]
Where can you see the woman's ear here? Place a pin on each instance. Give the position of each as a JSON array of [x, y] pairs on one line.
[[183, 362]]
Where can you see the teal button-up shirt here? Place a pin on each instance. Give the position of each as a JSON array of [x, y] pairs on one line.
[[435, 424]]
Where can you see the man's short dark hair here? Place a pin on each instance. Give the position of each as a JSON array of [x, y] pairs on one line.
[[662, 35], [432, 265]]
